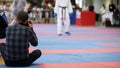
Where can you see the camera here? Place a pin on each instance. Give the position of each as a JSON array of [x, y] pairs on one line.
[[27, 23]]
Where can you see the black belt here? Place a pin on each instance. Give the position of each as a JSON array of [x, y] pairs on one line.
[[63, 8]]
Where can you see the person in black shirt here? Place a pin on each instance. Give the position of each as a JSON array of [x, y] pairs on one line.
[[3, 25], [112, 6], [116, 15]]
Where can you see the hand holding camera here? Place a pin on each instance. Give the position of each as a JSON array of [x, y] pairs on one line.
[[29, 24]]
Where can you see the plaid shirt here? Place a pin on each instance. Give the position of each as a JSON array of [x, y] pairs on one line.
[[18, 38]]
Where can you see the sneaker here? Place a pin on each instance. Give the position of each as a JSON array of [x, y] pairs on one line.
[[59, 34], [68, 33]]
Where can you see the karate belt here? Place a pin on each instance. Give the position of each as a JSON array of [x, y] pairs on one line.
[[63, 9]]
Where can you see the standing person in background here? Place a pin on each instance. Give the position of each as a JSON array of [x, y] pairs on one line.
[[47, 15], [27, 7], [38, 15], [16, 7], [112, 6], [5, 9], [19, 37], [62, 10], [4, 13]]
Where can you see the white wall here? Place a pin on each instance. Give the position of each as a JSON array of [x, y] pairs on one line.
[[97, 4]]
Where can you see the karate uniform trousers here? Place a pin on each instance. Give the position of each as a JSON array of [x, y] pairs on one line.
[[63, 8]]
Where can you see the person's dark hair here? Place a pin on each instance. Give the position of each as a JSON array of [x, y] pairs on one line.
[[91, 8], [22, 18]]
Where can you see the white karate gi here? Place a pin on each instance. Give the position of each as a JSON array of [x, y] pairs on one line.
[[108, 15], [17, 6], [63, 8]]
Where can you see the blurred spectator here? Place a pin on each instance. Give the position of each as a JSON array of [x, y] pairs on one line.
[[103, 9], [112, 6], [47, 15], [102, 12], [16, 7], [116, 15], [3, 5], [91, 8]]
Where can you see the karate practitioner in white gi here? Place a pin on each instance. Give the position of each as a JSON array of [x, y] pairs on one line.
[[16, 7], [62, 10]]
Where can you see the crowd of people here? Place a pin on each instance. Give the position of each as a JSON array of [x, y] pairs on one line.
[[36, 14]]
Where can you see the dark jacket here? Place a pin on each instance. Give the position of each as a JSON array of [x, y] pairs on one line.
[[112, 7], [3, 26]]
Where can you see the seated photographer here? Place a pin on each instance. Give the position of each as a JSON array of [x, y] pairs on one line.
[[116, 15], [19, 36]]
